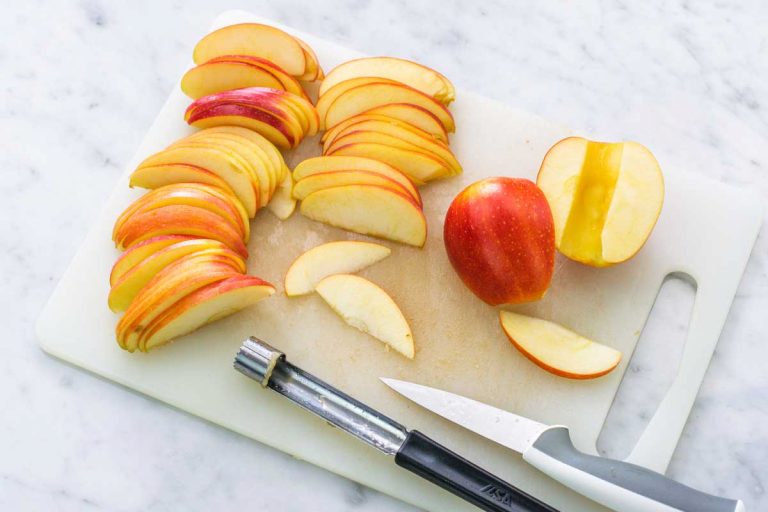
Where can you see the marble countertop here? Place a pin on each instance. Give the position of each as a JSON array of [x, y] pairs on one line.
[[82, 82]]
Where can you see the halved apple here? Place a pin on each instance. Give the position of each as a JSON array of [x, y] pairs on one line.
[[320, 181], [344, 257], [415, 75], [399, 138], [412, 114], [605, 198], [167, 287], [366, 307], [283, 204], [288, 82], [418, 166], [253, 39], [141, 251], [366, 97], [212, 160], [325, 100], [203, 306], [218, 76], [322, 164], [128, 286], [178, 220], [369, 210], [557, 349]]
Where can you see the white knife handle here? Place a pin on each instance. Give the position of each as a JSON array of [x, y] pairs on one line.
[[621, 486]]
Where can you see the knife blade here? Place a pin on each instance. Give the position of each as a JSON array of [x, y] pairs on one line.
[[619, 485]]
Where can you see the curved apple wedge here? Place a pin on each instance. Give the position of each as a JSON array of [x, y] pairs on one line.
[[283, 204], [412, 114], [312, 184], [213, 77], [141, 251], [203, 306], [368, 210], [322, 164], [155, 176], [344, 257], [366, 307], [556, 349], [419, 166]]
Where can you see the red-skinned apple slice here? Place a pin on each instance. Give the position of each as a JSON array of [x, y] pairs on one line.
[[215, 161], [178, 220], [343, 257], [288, 82], [130, 284], [203, 306], [366, 307], [141, 251], [218, 76], [369, 210], [156, 176], [253, 39], [262, 122], [366, 97], [415, 75], [418, 166], [320, 181], [326, 100], [557, 349], [500, 239], [321, 164]]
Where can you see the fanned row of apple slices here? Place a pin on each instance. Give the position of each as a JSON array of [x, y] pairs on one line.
[[282, 117], [360, 303], [361, 195], [287, 52]]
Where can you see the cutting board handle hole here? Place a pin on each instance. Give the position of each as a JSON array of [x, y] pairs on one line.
[[649, 375]]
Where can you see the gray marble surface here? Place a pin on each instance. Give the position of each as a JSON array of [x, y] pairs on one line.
[[82, 81]]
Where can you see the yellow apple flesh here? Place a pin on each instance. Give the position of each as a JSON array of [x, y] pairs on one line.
[[420, 167], [322, 164], [283, 204]]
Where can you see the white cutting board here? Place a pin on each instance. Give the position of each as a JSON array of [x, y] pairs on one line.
[[706, 230]]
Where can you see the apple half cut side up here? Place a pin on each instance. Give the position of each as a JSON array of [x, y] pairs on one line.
[[368, 210], [368, 308], [343, 257], [557, 349]]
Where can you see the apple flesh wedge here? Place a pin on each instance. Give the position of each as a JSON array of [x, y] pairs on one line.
[[557, 349], [377, 122], [344, 257], [368, 210], [178, 220], [265, 123], [203, 306], [366, 97], [312, 70], [141, 251], [253, 39], [321, 181], [155, 176], [420, 167], [321, 164], [605, 198], [413, 115], [283, 204], [499, 237], [366, 307], [287, 82], [326, 99], [410, 73], [213, 77], [128, 286]]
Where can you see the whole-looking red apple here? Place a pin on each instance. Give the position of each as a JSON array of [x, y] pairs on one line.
[[500, 239]]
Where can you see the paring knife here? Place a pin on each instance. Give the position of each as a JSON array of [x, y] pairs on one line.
[[412, 450], [621, 486]]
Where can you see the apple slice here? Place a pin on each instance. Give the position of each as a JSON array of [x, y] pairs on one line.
[[366, 307], [418, 166], [324, 180], [312, 71], [253, 39], [374, 122], [344, 257], [321, 164], [326, 100], [415, 75], [283, 204], [178, 220], [171, 284], [213, 160], [287, 82], [141, 251], [128, 286], [218, 76], [203, 306], [556, 349], [155, 176], [366, 97], [413, 115], [605, 198], [399, 138], [369, 210], [263, 122]]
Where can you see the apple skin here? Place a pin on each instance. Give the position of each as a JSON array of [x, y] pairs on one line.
[[500, 239]]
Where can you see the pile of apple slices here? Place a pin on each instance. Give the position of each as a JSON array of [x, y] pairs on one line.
[[327, 269], [392, 110]]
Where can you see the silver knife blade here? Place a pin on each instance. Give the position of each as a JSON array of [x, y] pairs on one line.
[[508, 429]]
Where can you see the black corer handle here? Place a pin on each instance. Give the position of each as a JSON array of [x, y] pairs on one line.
[[436, 463]]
